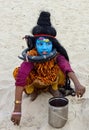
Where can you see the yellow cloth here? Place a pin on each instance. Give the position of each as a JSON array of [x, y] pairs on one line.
[[29, 88]]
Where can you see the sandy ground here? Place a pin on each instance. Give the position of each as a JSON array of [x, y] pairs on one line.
[[71, 20]]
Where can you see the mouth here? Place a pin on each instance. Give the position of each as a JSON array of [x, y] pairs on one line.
[[44, 53]]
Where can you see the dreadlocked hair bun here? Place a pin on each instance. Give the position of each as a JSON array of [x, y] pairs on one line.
[[44, 25]]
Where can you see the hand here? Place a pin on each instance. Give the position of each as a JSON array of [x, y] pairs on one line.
[[16, 117], [80, 90]]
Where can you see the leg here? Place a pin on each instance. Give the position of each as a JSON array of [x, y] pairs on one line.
[[34, 95], [30, 90], [54, 90]]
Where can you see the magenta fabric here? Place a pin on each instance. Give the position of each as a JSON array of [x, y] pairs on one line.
[[24, 71], [64, 64]]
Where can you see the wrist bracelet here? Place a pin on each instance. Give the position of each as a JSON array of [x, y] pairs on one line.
[[17, 102], [16, 113]]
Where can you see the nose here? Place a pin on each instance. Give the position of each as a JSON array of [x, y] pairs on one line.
[[44, 46]]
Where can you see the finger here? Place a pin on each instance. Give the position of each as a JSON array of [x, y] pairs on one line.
[[12, 119], [15, 122], [79, 94], [83, 90], [18, 122]]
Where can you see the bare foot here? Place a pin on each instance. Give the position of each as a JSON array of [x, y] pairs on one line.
[[33, 95], [55, 93]]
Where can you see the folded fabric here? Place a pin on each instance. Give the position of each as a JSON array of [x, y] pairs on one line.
[[23, 72], [64, 64]]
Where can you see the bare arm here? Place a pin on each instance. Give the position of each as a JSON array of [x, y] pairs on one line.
[[16, 115], [80, 90], [66, 68]]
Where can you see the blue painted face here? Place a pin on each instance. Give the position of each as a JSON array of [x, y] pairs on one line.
[[43, 46]]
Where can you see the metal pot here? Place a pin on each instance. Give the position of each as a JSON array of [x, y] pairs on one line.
[[58, 112]]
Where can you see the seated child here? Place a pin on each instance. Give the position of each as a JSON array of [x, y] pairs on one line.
[[45, 67]]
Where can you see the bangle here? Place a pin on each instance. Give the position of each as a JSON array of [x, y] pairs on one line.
[[17, 102], [16, 113]]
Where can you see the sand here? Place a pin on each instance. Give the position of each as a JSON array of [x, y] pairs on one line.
[[71, 20]]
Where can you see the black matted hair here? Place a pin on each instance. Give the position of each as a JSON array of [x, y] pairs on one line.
[[45, 28]]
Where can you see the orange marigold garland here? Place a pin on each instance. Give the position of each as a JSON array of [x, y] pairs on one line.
[[46, 72]]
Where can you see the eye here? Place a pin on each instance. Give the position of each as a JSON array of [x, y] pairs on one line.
[[49, 43], [40, 43]]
